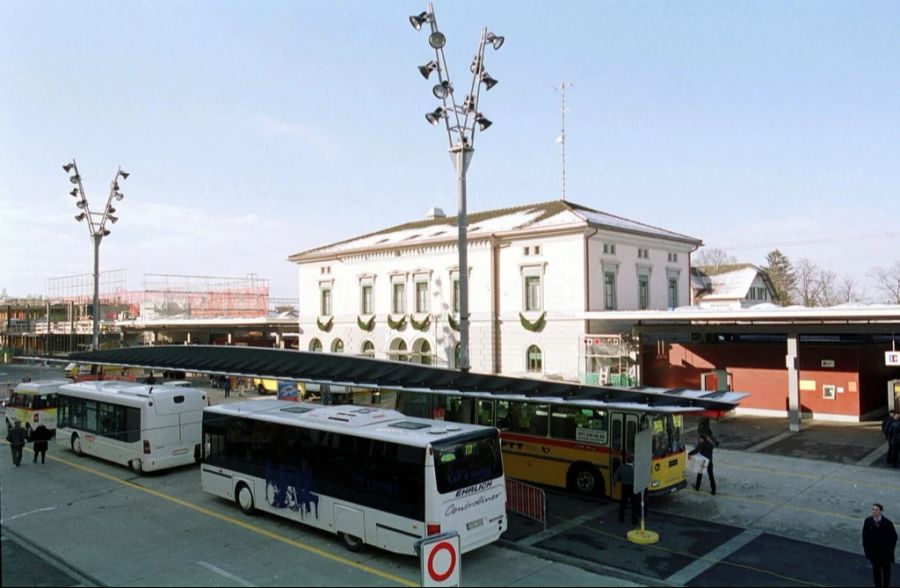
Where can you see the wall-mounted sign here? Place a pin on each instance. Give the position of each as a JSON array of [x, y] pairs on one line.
[[892, 358], [827, 363]]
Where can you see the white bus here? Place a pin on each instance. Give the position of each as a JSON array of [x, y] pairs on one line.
[[144, 427], [372, 476]]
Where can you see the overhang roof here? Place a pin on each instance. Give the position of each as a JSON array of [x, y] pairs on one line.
[[349, 370]]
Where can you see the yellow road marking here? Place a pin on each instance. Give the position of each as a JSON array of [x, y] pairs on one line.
[[242, 524]]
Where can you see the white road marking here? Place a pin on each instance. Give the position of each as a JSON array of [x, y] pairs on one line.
[[225, 574]]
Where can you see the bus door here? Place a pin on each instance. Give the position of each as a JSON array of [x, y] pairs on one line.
[[624, 428]]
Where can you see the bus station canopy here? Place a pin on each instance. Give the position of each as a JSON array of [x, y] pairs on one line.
[[365, 372]]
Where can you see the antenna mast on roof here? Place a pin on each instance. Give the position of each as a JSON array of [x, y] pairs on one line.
[[561, 88]]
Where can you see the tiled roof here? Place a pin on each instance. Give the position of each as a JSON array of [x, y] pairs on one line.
[[554, 213]]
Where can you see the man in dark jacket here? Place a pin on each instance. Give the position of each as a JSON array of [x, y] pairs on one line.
[[17, 438], [705, 448], [40, 436], [879, 541]]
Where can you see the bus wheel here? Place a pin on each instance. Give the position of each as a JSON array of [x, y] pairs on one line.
[[137, 466], [351, 542], [244, 498], [586, 480], [76, 445]]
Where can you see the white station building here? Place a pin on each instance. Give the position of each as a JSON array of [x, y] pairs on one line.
[[534, 272]]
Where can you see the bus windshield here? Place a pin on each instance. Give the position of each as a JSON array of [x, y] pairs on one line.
[[667, 434], [462, 463], [32, 401]]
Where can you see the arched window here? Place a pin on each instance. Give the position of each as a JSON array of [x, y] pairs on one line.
[[315, 345], [398, 351], [534, 359], [368, 349], [337, 346], [422, 352]]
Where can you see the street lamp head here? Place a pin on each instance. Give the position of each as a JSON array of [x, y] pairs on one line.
[[104, 232], [80, 217], [495, 40], [442, 90], [426, 69], [476, 65], [113, 219], [417, 20], [124, 174], [81, 203], [435, 117], [74, 192], [488, 81], [68, 167], [437, 40], [111, 210], [483, 123], [118, 195], [75, 179]]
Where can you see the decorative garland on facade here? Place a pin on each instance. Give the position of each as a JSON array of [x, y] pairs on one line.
[[535, 326], [397, 325], [453, 324], [366, 326], [326, 327], [420, 326]]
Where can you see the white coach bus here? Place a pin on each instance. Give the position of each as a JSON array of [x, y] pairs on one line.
[[372, 476], [144, 427]]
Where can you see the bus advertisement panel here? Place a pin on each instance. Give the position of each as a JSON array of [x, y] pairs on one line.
[[372, 476]]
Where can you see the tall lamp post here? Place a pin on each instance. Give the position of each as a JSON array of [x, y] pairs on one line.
[[97, 226], [460, 121]]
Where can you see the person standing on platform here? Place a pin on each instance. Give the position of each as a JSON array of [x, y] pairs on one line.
[[625, 476], [17, 438], [40, 437], [879, 541], [704, 428]]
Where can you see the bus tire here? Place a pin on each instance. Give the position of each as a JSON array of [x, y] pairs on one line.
[[76, 445], [137, 466], [586, 480], [351, 542], [244, 498]]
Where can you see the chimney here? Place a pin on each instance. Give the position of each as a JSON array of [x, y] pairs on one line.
[[434, 213]]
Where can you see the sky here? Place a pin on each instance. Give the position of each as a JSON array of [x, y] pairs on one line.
[[254, 130]]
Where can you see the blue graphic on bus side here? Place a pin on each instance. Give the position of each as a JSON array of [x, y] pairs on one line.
[[288, 487]]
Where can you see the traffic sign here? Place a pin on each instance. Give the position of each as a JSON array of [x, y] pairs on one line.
[[440, 560]]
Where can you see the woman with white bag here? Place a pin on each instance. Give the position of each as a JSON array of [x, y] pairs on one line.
[[705, 448]]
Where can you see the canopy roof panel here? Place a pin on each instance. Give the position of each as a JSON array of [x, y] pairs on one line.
[[350, 370]]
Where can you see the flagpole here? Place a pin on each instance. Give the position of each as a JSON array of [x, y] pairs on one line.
[[561, 88]]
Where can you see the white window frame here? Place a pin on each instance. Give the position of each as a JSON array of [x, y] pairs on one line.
[[326, 298], [528, 369], [529, 273], [423, 297]]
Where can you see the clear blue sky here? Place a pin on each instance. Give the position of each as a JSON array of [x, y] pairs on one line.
[[254, 130]]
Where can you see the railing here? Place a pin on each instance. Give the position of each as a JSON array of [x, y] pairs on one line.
[[526, 500]]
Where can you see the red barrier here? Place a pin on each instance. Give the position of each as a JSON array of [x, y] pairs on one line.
[[526, 500]]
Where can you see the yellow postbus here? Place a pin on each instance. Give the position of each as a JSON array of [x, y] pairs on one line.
[[34, 403], [577, 445]]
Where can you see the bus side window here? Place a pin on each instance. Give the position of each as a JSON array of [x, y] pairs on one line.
[[486, 413], [503, 414]]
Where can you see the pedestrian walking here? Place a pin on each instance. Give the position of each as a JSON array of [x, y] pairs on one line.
[[886, 422], [879, 541], [40, 436], [625, 476], [704, 428], [705, 448], [227, 387], [17, 438]]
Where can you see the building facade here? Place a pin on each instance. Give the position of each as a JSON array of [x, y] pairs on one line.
[[533, 271]]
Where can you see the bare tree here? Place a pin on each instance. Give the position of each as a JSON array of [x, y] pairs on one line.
[[888, 282], [713, 260], [808, 285], [848, 290]]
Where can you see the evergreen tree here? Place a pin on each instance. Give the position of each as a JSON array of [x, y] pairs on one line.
[[783, 277]]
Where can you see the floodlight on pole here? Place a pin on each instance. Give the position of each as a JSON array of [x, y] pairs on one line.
[[97, 228], [460, 121]]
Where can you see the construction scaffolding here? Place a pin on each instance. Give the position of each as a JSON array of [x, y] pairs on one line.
[[189, 297]]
